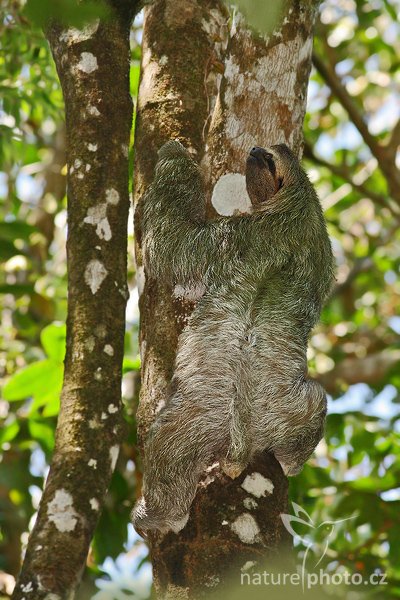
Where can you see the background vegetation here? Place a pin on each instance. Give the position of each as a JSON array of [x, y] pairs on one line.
[[353, 112]]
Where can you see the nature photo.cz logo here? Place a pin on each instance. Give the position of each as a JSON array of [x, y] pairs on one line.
[[309, 576], [327, 526]]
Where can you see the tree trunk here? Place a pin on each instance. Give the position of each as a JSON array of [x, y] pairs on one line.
[[93, 66], [220, 92]]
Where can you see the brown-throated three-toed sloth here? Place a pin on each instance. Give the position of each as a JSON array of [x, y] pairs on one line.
[[240, 384]]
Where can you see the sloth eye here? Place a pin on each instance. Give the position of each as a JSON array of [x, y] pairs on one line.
[[270, 162]]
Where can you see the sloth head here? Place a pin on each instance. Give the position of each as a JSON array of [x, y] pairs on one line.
[[268, 170]]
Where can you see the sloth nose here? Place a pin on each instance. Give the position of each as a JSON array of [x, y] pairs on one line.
[[260, 154], [257, 152]]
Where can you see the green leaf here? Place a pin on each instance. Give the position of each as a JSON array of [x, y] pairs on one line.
[[36, 380], [67, 12], [43, 433], [17, 289], [16, 229], [53, 338], [373, 484], [130, 364], [9, 431], [50, 401], [7, 249]]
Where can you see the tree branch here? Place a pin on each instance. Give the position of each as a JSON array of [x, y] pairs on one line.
[[328, 73], [383, 154], [93, 66], [343, 173], [185, 44], [394, 141], [370, 369]]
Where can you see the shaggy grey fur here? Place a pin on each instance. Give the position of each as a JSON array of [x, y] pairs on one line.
[[240, 384]]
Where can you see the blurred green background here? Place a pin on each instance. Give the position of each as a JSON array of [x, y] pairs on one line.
[[355, 351]]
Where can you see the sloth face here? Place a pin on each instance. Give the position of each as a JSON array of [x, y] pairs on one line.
[[262, 179]]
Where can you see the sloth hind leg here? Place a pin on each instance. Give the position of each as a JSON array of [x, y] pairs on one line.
[[298, 435], [177, 451], [290, 420]]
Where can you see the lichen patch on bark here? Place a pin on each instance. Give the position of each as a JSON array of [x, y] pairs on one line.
[[72, 35], [114, 451], [229, 196], [95, 273], [97, 216], [61, 512], [258, 485], [87, 63], [246, 528]]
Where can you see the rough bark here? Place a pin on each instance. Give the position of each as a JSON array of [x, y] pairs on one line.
[[188, 52], [93, 66]]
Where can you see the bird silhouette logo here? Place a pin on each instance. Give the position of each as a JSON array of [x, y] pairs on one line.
[[301, 516]]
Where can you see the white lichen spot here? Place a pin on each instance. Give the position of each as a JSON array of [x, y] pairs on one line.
[[94, 424], [250, 503], [27, 588], [94, 504], [98, 374], [100, 331], [38, 548], [80, 175], [114, 451], [230, 196], [125, 150], [92, 463], [163, 60], [61, 511], [305, 49], [72, 35], [88, 62], [93, 110], [77, 163], [90, 343], [224, 522], [246, 528], [112, 409], [191, 293], [97, 215], [258, 485], [95, 274], [108, 349], [104, 416], [112, 196], [92, 147], [88, 167], [248, 565]]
